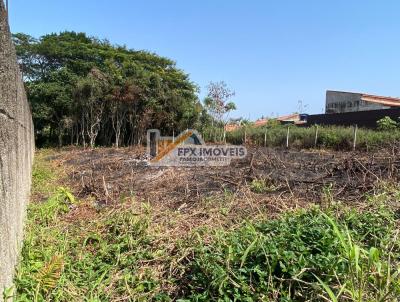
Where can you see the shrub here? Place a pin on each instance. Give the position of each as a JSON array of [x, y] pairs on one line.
[[386, 123]]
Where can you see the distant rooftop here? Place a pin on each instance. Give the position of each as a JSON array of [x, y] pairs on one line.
[[388, 101], [377, 99]]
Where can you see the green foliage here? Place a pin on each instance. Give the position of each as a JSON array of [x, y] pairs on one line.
[[96, 259], [139, 90], [387, 123], [301, 256], [118, 253], [48, 276], [41, 176], [44, 176], [49, 210], [261, 186], [279, 260], [369, 275]]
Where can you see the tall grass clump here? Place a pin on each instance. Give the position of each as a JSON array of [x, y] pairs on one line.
[[44, 175], [310, 255], [331, 137], [75, 252], [97, 259]]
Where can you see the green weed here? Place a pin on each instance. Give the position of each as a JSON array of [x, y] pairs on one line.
[[336, 253], [298, 258], [262, 186]]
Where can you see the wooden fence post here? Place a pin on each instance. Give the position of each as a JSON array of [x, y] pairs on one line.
[[224, 136], [287, 137], [316, 136], [355, 137], [265, 137], [245, 135]]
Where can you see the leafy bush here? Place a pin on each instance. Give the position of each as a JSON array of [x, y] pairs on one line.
[[386, 123]]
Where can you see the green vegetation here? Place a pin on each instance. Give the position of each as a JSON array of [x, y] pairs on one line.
[[262, 186], [218, 106], [44, 176], [68, 258], [300, 257], [387, 123], [332, 137], [86, 91], [98, 260], [119, 252]]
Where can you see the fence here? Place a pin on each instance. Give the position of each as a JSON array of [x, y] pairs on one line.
[[332, 137]]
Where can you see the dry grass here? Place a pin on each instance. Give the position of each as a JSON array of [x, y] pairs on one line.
[[134, 229]]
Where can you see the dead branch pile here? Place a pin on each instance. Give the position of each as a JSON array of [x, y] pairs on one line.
[[111, 174]]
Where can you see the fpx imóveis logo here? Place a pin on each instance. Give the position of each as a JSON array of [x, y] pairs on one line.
[[189, 149]]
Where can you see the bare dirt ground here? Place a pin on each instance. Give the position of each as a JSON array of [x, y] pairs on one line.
[[289, 179]]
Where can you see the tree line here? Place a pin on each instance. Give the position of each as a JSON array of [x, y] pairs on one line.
[[86, 91]]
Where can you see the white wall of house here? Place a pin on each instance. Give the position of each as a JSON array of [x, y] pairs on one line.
[[340, 102]]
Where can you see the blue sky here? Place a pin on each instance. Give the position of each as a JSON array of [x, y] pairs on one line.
[[272, 53]]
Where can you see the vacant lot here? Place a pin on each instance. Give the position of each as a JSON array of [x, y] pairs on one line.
[[278, 226], [109, 175]]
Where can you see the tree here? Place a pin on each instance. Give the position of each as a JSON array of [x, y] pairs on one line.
[[91, 94], [85, 90], [122, 104], [218, 103]]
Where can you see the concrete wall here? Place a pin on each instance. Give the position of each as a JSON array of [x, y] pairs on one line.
[[340, 102], [16, 155], [367, 118]]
